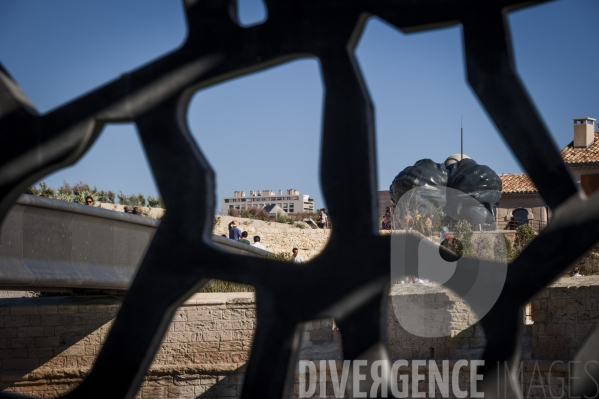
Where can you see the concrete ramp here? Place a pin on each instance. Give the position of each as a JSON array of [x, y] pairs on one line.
[[47, 244]]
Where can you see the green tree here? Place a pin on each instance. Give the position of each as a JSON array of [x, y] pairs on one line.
[[524, 236]]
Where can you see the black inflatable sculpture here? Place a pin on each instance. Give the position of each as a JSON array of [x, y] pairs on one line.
[[466, 177]]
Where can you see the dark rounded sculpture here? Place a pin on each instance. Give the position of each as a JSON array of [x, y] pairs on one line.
[[479, 182], [424, 173], [466, 176]]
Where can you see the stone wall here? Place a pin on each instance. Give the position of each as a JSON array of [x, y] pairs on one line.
[[47, 345], [563, 315], [279, 237], [427, 311]]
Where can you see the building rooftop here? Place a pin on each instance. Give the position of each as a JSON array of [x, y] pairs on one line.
[[520, 183], [517, 183], [588, 156]]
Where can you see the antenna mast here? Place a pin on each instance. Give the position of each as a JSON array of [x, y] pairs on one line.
[[462, 138]]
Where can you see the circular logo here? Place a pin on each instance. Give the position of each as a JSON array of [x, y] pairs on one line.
[[448, 261]]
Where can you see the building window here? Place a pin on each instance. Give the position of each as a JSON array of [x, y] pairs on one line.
[[243, 200], [226, 200], [230, 206], [295, 198], [519, 217]]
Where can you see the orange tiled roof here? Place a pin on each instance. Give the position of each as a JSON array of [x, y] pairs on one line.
[[589, 155], [520, 183], [517, 183]]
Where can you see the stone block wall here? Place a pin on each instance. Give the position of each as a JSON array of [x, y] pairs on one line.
[[47, 345], [427, 311], [563, 315]]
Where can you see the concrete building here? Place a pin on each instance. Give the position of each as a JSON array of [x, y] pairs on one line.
[[290, 202], [520, 198]]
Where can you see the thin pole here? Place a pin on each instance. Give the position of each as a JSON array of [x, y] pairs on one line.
[[462, 138]]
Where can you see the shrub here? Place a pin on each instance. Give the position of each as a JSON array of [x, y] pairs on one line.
[[155, 202], [588, 264], [463, 232], [225, 286], [282, 256], [502, 249], [263, 215], [65, 189], [82, 195], [524, 236], [122, 198], [46, 191], [482, 246]]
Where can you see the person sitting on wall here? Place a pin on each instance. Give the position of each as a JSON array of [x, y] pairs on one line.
[[137, 211], [234, 232], [89, 201], [128, 209], [576, 272], [257, 244], [244, 238]]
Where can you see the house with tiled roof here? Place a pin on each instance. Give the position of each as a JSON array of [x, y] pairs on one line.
[[520, 200]]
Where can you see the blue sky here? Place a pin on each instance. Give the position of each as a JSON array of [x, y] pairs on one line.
[[262, 131]]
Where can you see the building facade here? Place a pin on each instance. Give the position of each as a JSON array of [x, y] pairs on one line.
[[520, 200], [291, 202]]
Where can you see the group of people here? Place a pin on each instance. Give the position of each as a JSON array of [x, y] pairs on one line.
[[422, 222], [135, 210], [242, 236], [236, 234]]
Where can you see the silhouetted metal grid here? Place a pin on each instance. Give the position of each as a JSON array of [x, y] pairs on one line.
[[349, 280]]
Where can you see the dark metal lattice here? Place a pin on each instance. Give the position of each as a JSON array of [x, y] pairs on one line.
[[343, 282]]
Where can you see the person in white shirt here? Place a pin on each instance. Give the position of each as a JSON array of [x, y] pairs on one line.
[[297, 258], [257, 243]]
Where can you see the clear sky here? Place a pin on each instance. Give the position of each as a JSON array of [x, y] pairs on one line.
[[262, 131]]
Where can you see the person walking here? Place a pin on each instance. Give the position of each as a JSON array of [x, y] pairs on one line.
[[296, 257], [322, 221], [234, 232]]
